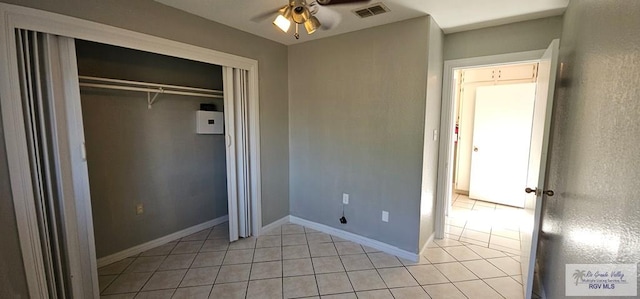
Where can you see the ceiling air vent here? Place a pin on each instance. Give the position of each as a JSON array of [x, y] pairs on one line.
[[371, 10]]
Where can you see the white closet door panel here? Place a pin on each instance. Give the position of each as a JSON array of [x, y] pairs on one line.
[[501, 139]]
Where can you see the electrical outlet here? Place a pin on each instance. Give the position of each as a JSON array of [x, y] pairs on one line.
[[435, 135], [385, 216], [139, 209], [345, 198]]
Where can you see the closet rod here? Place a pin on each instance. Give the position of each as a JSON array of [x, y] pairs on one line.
[[157, 90], [150, 87]]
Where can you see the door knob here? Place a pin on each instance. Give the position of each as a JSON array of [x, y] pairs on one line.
[[475, 148], [534, 190]]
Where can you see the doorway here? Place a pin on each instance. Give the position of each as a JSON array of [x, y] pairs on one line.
[[492, 113], [492, 120], [493, 110], [81, 264], [447, 149], [539, 134]]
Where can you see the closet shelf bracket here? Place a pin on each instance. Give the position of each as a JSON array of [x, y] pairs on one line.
[[151, 100]]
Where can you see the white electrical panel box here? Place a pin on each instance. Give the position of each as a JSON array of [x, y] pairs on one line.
[[209, 122]]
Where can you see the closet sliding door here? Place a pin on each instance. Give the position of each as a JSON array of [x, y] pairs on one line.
[[50, 99], [236, 103]]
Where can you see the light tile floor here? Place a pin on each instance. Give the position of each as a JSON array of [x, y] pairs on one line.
[[485, 224], [292, 261]]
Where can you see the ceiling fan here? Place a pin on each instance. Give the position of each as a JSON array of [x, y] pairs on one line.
[[301, 12]]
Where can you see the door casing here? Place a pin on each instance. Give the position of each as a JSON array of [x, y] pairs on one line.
[[444, 170], [447, 112]]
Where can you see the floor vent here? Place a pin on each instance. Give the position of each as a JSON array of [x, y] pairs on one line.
[[371, 10]]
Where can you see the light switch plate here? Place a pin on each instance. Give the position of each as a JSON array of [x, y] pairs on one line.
[[385, 216]]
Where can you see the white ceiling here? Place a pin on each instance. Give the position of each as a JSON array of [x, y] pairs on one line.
[[452, 15]]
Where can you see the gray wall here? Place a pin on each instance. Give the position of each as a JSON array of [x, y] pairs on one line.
[[594, 218], [356, 120], [153, 157], [12, 278], [153, 18], [516, 37], [432, 122]]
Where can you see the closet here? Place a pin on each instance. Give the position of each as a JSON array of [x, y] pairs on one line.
[[49, 157], [151, 173]]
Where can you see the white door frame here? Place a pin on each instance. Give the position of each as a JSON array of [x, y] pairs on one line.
[[12, 17], [445, 159]]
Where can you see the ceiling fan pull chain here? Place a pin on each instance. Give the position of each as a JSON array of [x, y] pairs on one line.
[[297, 35]]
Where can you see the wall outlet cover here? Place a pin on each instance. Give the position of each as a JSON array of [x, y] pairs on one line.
[[345, 198], [139, 209]]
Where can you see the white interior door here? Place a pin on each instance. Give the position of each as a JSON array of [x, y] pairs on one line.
[[530, 227], [501, 138]]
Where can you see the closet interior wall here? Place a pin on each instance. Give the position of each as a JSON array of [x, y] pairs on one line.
[[147, 156]]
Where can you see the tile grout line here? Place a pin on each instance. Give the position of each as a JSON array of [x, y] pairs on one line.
[[191, 264], [445, 276], [448, 279], [345, 270], [488, 244], [281, 262]]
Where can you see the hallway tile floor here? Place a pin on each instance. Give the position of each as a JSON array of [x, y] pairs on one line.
[[485, 224], [293, 261]]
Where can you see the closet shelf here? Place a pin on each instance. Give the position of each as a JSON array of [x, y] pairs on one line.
[[117, 84]]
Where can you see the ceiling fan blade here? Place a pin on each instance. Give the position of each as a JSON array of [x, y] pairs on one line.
[[336, 2], [265, 15], [328, 18]]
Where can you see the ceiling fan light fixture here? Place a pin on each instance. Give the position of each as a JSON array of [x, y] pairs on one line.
[[286, 12], [312, 24], [300, 14], [282, 23]]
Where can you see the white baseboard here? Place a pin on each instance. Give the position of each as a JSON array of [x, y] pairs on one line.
[[103, 261], [272, 225], [424, 247], [390, 249]]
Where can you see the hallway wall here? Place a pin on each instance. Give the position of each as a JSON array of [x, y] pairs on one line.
[[594, 217], [435, 66], [509, 38]]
